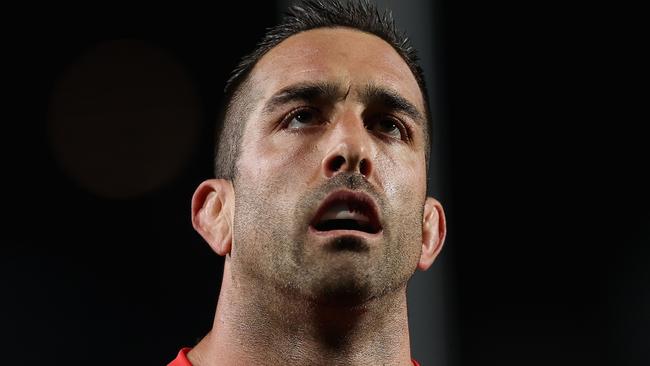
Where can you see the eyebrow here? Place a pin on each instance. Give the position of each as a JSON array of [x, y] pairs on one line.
[[329, 91], [391, 99], [305, 92]]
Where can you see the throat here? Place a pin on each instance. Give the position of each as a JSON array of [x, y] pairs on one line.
[[279, 328]]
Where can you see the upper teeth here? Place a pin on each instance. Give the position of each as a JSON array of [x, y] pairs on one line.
[[343, 211]]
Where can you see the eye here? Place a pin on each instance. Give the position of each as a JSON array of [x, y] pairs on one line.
[[390, 127], [301, 118]]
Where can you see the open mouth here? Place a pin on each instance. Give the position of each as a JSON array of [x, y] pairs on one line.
[[346, 210]]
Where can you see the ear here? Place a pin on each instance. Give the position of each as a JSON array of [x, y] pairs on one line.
[[434, 229], [212, 213]]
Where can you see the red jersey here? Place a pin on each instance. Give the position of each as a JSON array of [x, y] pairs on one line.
[[181, 359]]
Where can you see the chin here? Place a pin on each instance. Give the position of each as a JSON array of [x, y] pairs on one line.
[[346, 281], [345, 294], [350, 243]]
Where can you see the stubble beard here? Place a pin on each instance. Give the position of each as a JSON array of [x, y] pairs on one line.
[[272, 245]]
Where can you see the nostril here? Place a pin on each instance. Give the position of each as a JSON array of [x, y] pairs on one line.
[[364, 167], [336, 163]]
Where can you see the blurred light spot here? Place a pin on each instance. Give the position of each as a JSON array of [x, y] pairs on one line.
[[123, 119]]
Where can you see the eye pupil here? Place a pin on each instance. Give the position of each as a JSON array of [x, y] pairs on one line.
[[303, 117], [389, 127]]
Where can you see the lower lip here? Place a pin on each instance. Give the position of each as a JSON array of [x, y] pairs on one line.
[[335, 233]]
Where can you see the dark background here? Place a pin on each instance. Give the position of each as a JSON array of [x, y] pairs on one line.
[[545, 180]]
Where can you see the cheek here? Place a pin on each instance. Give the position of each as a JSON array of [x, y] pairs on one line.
[[402, 174], [295, 160], [284, 158]]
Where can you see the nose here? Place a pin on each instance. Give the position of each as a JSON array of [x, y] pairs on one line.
[[351, 150]]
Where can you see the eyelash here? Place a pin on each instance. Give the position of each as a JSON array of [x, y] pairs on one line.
[[293, 113], [403, 128]]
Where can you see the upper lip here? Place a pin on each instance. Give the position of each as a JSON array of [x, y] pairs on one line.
[[359, 202]]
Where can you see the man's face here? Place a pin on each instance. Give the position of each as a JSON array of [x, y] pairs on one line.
[[331, 176]]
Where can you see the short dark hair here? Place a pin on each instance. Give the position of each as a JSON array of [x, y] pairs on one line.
[[302, 16]]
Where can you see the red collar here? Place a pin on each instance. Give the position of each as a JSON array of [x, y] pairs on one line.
[[181, 359]]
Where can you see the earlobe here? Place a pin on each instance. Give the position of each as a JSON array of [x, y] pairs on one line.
[[212, 206], [434, 229]]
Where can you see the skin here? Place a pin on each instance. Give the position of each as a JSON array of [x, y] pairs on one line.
[[290, 296]]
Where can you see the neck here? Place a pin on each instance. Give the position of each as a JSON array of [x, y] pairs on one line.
[[257, 326]]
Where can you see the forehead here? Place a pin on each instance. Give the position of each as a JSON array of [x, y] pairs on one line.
[[342, 55]]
